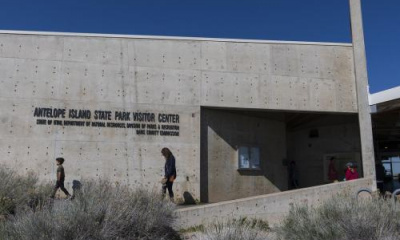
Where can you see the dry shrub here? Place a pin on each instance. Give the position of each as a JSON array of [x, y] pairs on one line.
[[18, 191], [236, 229], [343, 218], [99, 211]]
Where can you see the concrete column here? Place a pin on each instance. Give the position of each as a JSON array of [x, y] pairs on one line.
[[360, 66]]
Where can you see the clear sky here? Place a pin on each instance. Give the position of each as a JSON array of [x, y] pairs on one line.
[[292, 20]]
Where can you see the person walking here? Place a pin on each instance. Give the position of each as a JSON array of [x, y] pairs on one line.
[[380, 177], [332, 173], [169, 173], [60, 178]]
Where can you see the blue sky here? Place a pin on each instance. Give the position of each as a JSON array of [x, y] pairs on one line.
[[292, 20]]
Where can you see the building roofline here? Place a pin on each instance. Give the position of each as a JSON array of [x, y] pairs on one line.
[[72, 34], [384, 96]]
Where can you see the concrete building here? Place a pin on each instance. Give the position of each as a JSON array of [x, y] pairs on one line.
[[243, 118]]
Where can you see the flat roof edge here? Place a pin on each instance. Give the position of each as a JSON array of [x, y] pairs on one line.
[[72, 34], [384, 96]]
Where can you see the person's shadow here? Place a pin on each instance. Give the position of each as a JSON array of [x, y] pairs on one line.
[[76, 187], [188, 198]]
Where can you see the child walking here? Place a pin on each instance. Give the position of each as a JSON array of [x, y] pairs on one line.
[[60, 178]]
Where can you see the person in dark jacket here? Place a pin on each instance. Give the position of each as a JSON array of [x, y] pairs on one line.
[[169, 173], [380, 177]]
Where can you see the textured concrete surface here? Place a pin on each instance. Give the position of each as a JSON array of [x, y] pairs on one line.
[[226, 132], [361, 77], [282, 137], [156, 75], [271, 207]]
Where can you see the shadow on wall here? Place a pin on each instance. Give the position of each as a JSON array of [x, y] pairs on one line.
[[188, 198], [282, 137], [223, 134]]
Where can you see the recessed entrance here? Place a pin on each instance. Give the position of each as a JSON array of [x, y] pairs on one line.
[[247, 153]]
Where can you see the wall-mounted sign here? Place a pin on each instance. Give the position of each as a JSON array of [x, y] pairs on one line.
[[145, 123]]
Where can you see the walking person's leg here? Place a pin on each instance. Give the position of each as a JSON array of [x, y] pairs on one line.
[[61, 184], [55, 190], [170, 192], [163, 191]]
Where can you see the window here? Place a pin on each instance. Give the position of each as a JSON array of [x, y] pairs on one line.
[[249, 157]]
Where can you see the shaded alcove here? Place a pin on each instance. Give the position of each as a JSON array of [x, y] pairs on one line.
[[306, 138]]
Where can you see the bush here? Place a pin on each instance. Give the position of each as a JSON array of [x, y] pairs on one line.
[[98, 211], [18, 191], [343, 217], [236, 229]]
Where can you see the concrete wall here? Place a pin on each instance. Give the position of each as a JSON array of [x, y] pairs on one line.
[[226, 131], [167, 76], [279, 76], [94, 74], [272, 207]]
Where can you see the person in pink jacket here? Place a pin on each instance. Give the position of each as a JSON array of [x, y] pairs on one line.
[[351, 172]]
